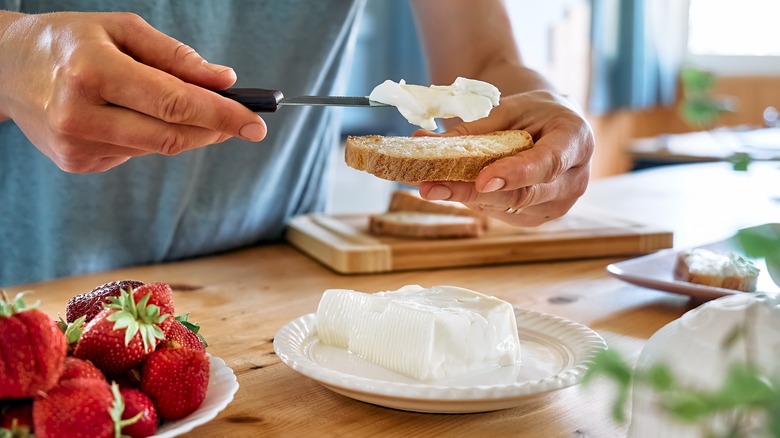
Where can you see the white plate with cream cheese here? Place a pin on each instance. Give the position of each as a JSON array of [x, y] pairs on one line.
[[555, 354]]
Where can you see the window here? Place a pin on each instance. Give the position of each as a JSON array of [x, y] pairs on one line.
[[734, 37]]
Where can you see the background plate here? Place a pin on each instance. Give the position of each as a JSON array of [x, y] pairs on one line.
[[656, 271], [555, 354]]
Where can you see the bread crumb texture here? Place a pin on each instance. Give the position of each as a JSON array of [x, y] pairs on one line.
[[417, 159]]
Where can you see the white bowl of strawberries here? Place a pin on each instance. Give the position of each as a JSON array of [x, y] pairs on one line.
[[120, 364]]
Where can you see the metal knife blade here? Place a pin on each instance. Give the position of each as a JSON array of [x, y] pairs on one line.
[[331, 101], [267, 101]]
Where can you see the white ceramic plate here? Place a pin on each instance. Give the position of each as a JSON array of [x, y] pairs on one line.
[[656, 271], [555, 354], [222, 387]]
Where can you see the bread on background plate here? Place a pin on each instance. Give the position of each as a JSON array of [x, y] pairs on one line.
[[427, 158], [726, 270]]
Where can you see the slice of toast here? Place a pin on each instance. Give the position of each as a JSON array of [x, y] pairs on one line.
[[428, 158], [404, 200], [425, 225], [710, 268]]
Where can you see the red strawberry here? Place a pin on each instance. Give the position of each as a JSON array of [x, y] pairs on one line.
[[91, 303], [120, 337], [32, 349], [176, 380], [78, 368], [136, 402], [161, 296], [17, 418], [179, 332], [75, 408]]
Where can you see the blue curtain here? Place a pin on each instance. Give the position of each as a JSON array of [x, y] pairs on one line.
[[387, 47], [633, 66]]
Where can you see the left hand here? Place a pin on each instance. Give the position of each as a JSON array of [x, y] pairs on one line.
[[538, 184]]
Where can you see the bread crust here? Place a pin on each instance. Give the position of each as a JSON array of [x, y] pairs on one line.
[[362, 153]]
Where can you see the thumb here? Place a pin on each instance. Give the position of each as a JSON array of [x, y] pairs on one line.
[[137, 38]]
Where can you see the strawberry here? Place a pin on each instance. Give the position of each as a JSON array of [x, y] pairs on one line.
[[75, 408], [32, 349], [120, 337], [91, 303], [180, 332], [138, 403], [176, 380], [78, 368], [161, 296]]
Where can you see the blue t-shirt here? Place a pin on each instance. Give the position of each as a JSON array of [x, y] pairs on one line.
[[155, 208]]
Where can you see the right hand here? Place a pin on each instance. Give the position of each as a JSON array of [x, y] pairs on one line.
[[92, 90]]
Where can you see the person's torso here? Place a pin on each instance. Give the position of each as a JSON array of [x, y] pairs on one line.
[[157, 208]]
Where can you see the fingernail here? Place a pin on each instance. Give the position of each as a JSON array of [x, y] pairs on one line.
[[216, 68], [493, 185], [439, 193], [252, 132]]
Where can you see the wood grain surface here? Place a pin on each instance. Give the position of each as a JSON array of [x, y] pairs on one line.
[[242, 298]]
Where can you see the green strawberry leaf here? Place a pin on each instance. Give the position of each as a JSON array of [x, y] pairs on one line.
[[137, 318], [12, 307], [117, 410], [191, 326]]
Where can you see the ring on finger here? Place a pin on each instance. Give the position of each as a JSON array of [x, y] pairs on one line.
[[511, 210]]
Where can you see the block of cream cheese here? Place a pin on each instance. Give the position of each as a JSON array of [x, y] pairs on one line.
[[429, 334], [468, 99]]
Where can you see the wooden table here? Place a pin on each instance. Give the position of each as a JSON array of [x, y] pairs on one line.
[[242, 298]]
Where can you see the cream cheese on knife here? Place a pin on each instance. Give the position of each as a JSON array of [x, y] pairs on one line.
[[428, 334], [468, 99]]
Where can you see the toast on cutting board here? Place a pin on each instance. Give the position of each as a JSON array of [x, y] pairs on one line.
[[408, 215], [425, 225], [404, 200], [428, 158]]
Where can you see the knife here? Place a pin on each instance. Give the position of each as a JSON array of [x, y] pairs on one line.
[[261, 100]]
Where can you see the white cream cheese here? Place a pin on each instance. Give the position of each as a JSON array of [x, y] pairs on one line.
[[704, 261], [427, 334], [468, 99]]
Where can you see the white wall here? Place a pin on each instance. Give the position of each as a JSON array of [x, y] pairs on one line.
[[553, 37]]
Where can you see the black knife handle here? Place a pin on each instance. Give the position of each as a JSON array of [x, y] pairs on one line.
[[256, 99]]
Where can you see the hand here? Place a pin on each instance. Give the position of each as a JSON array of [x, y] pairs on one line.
[[537, 185], [92, 90]]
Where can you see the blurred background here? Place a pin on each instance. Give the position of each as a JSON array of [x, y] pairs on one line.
[[661, 81]]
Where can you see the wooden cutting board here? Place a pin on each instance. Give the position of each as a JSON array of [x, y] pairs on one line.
[[342, 243]]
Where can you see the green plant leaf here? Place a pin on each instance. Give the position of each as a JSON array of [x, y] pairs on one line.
[[610, 364], [659, 377], [759, 242], [689, 406], [745, 386], [695, 81], [740, 161], [773, 414]]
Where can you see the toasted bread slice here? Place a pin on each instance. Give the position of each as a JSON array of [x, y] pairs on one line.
[[404, 200], [417, 159], [427, 225], [709, 268]]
